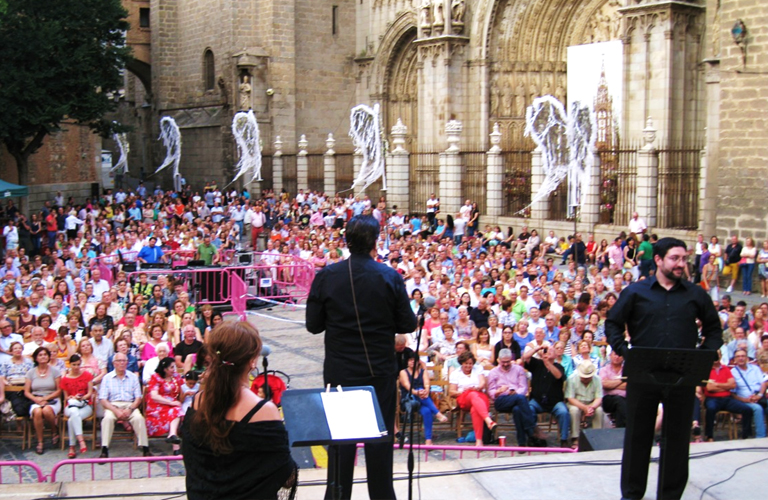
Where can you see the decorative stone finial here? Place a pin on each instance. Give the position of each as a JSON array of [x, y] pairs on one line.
[[649, 134], [303, 143], [495, 139], [330, 142], [453, 132], [278, 146], [399, 131]]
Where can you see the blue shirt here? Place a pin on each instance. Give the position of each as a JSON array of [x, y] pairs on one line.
[[115, 389], [747, 382]]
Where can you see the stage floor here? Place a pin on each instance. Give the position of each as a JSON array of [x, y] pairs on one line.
[[588, 476]]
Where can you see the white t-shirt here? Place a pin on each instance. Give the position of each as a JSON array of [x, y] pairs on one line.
[[464, 381]]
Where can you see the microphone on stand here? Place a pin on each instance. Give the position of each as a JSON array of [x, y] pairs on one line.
[[266, 351]]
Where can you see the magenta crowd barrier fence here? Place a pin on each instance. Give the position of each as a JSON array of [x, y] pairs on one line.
[[132, 463], [511, 450], [20, 464], [239, 296]]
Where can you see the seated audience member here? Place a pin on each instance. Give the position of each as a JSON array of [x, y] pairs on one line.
[[42, 389], [120, 396], [123, 344], [717, 397], [78, 392], [161, 352], [584, 394], [507, 388], [163, 405], [547, 395], [420, 389], [507, 342], [467, 386], [103, 348], [614, 389], [37, 340], [750, 389], [189, 345]]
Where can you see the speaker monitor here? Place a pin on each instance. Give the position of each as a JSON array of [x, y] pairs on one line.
[[601, 439]]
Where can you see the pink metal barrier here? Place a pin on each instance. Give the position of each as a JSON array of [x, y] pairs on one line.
[[132, 463], [19, 464], [475, 449], [239, 296]]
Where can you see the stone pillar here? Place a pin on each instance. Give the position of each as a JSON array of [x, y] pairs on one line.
[[540, 209], [329, 166], [450, 170], [710, 186], [302, 165], [398, 170], [277, 166], [589, 212], [646, 202], [494, 196]]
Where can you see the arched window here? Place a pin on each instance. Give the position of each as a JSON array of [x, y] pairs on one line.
[[209, 70]]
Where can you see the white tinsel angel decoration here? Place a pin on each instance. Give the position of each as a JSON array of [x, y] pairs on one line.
[[171, 136], [565, 141], [365, 130], [121, 140], [245, 129]]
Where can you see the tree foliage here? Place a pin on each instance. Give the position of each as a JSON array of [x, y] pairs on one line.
[[59, 60]]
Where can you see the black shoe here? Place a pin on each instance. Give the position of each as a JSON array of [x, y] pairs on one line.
[[146, 451], [534, 442], [104, 452], [564, 443], [176, 452], [173, 439]]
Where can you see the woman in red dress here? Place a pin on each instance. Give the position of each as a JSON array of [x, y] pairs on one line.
[[163, 404]]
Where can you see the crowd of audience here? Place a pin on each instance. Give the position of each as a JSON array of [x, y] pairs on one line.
[[518, 320]]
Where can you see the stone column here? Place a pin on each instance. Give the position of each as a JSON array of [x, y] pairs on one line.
[[302, 165], [646, 201], [494, 196], [277, 166], [589, 212], [540, 209], [711, 159], [329, 166], [398, 170], [450, 170]]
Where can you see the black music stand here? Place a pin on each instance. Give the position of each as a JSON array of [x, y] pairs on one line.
[[667, 368], [307, 424]]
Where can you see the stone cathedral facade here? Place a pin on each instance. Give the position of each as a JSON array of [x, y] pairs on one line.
[[458, 75]]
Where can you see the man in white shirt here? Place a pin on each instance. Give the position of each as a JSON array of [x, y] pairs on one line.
[[99, 285], [636, 224], [535, 321], [7, 337], [466, 210]]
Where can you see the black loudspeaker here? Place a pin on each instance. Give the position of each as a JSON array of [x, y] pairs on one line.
[[601, 439]]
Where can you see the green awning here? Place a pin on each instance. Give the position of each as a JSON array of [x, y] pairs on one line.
[[8, 190]]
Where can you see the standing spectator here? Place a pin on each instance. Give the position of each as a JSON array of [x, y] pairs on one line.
[[637, 225], [732, 257], [748, 256]]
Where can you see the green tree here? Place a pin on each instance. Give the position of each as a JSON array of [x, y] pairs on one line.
[[59, 60]]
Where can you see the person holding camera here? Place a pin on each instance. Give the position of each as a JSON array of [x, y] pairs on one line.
[[547, 391]]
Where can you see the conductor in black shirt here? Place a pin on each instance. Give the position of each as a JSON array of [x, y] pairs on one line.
[[361, 305], [661, 312]]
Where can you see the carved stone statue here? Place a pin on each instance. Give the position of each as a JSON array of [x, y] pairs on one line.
[[495, 98], [426, 14], [245, 93], [533, 91], [520, 99], [508, 99], [560, 90], [547, 88], [439, 18], [458, 9]]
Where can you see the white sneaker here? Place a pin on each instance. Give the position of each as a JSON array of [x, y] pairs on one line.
[[729, 289]]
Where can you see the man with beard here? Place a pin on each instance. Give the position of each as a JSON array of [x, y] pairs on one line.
[[660, 312]]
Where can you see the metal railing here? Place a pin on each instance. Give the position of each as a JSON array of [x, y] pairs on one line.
[[558, 203], [131, 463], [474, 181], [20, 465], [290, 174], [345, 172], [316, 172], [618, 185], [678, 195], [517, 181], [424, 180]]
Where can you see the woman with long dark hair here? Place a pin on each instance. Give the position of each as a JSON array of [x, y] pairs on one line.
[[233, 442]]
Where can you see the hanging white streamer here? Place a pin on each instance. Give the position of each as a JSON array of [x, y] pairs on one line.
[[171, 136], [125, 148], [565, 141], [365, 130], [245, 129]]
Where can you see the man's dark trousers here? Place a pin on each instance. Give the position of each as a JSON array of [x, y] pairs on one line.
[[642, 407], [522, 414], [617, 407], [378, 456]]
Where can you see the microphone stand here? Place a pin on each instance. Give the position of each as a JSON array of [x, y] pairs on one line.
[[416, 363], [267, 391]]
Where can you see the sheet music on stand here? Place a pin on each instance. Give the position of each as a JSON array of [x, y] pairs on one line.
[[346, 424]]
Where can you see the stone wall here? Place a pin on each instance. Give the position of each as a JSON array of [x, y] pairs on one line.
[[743, 139]]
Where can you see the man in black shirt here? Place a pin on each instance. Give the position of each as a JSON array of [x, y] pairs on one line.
[[188, 345], [547, 381], [480, 314], [361, 305], [660, 312]]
